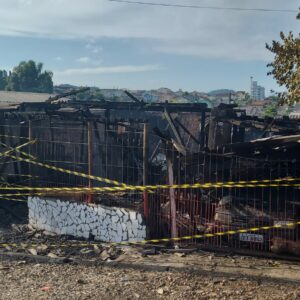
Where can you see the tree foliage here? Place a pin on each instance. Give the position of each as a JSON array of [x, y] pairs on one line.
[[286, 66], [3, 79], [270, 110], [27, 77]]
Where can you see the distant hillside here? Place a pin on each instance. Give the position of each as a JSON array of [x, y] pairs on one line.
[[158, 95], [220, 92]]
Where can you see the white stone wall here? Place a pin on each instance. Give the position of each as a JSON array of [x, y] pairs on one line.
[[108, 224]]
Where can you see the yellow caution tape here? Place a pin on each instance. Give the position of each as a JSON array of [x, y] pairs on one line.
[[14, 136], [17, 150], [21, 195], [286, 179], [4, 196], [12, 199], [174, 239], [250, 183], [146, 187], [97, 178]]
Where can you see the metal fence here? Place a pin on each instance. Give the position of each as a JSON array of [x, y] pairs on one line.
[[117, 152], [218, 210], [110, 151]]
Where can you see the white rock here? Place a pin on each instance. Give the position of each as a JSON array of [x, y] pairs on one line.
[[115, 220], [82, 215], [132, 215], [139, 218]]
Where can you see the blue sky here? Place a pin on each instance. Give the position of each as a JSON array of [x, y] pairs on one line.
[[107, 44]]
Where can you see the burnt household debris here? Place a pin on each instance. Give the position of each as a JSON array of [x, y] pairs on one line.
[[251, 163]]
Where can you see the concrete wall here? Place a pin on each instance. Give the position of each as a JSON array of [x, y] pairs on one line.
[[108, 224]]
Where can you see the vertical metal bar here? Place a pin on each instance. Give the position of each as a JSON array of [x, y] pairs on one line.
[[145, 167], [90, 157]]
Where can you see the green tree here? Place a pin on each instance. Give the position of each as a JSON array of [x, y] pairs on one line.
[[270, 110], [3, 79], [286, 65], [12, 82], [247, 98], [29, 77]]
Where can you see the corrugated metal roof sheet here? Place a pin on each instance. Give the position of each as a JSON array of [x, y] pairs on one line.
[[12, 100], [21, 97]]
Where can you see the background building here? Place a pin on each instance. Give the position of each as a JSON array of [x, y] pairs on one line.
[[257, 92]]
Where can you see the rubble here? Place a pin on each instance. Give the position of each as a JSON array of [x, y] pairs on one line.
[[134, 143], [143, 281]]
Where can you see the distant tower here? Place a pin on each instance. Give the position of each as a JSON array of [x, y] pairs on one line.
[[257, 92]]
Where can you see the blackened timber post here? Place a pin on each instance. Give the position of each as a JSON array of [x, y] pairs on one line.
[[145, 167], [29, 150], [90, 157], [213, 130], [172, 194], [202, 132]]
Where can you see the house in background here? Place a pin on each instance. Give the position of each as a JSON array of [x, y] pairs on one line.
[[295, 114]]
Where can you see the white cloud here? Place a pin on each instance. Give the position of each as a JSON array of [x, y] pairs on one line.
[[26, 2], [97, 62], [83, 59], [107, 70], [93, 47], [89, 60], [204, 33], [58, 58]]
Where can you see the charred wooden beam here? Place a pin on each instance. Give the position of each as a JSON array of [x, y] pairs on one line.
[[172, 195], [172, 107], [202, 129], [265, 144], [178, 143], [187, 131], [135, 99], [90, 157], [145, 167], [71, 93]]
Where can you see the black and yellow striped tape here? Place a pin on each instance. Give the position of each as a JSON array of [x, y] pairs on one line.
[[14, 136], [145, 187], [124, 187], [97, 178], [17, 149], [12, 199], [289, 225], [21, 194]]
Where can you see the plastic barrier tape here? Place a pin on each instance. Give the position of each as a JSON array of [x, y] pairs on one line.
[[14, 136], [145, 187], [174, 239], [19, 151], [106, 180], [7, 153]]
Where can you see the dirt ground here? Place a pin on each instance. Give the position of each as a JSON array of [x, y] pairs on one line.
[[163, 276], [43, 266]]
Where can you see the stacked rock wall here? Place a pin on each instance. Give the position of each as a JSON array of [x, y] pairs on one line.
[[108, 224]]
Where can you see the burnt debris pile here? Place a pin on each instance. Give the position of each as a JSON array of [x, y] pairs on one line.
[[177, 169]]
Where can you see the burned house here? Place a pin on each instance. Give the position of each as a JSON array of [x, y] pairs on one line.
[[87, 164]]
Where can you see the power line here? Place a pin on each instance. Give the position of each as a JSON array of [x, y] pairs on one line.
[[206, 7]]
